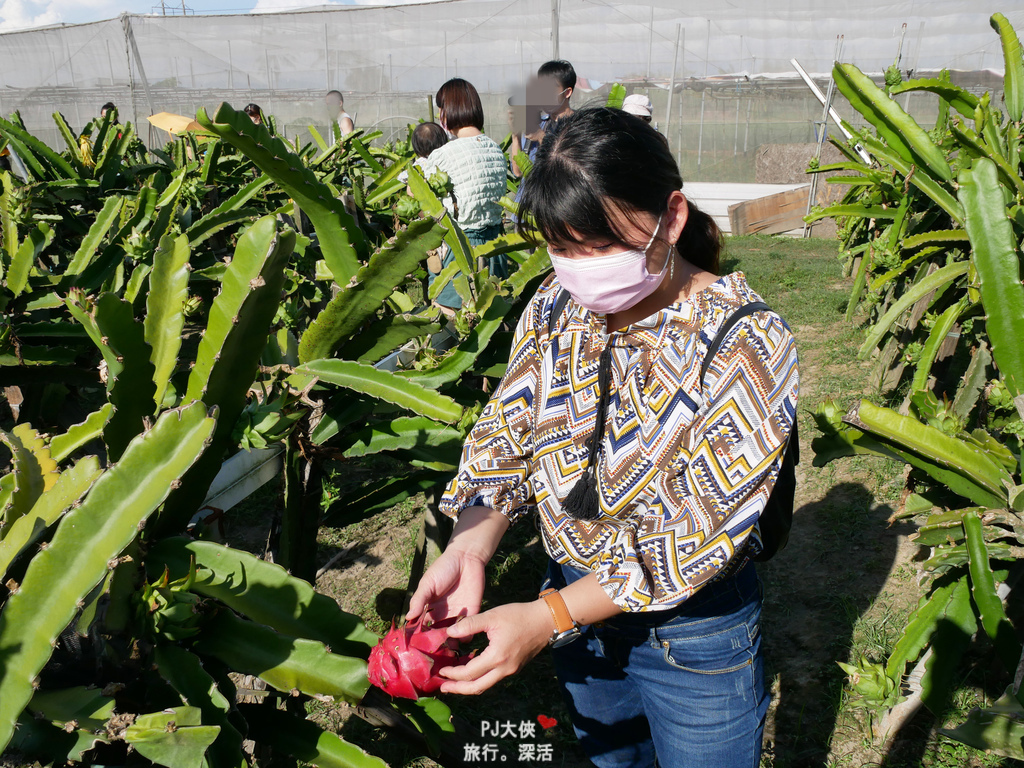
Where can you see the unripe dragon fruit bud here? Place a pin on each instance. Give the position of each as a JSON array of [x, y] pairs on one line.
[[406, 662]]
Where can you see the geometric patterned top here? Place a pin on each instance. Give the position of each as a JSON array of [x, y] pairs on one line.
[[683, 475]]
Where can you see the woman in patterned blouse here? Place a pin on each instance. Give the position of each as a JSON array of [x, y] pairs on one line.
[[648, 481]]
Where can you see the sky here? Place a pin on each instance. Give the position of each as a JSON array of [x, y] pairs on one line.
[[26, 14]]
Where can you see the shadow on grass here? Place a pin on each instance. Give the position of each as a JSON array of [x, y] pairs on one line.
[[840, 553]]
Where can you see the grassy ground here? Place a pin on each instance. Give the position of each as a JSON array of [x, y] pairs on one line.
[[842, 589]]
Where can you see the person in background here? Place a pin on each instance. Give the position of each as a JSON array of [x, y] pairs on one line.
[[108, 107], [336, 106], [254, 112], [648, 477], [476, 166], [547, 101], [427, 137], [639, 105]]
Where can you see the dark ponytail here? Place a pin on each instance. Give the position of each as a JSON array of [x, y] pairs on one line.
[[599, 157], [701, 241]]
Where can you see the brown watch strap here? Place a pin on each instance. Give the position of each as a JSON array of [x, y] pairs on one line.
[[563, 620]]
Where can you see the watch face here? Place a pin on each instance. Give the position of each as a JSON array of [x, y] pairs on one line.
[[565, 637]]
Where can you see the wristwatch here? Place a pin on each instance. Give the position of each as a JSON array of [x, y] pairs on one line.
[[566, 630]]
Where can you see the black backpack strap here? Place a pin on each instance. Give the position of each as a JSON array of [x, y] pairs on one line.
[[556, 311], [728, 325]]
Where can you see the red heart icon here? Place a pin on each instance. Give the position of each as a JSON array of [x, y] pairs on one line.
[[546, 722]]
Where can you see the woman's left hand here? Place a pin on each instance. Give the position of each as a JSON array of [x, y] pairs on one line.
[[516, 632]]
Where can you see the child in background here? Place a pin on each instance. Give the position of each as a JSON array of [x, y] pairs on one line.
[[426, 137]]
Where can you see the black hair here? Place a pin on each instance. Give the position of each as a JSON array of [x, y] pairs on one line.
[[461, 104], [335, 93], [561, 70], [601, 158], [426, 137], [253, 110], [108, 107]]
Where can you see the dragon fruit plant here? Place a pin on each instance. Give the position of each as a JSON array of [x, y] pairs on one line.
[[406, 663]]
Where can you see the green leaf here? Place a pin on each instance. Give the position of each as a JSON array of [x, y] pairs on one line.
[[80, 434], [8, 227], [175, 738], [616, 96], [1013, 78], [935, 237], [930, 186], [940, 330], [961, 100], [461, 359], [87, 707], [999, 728], [133, 386], [405, 433], [432, 206], [341, 240], [283, 662], [184, 671], [383, 336], [229, 353], [950, 452], [983, 589], [919, 630], [23, 261], [354, 305], [165, 319], [87, 539], [995, 257], [227, 213], [379, 495], [916, 292], [973, 382], [263, 591], [34, 470], [42, 163], [41, 740], [304, 740], [387, 386], [900, 130], [30, 527], [949, 642]]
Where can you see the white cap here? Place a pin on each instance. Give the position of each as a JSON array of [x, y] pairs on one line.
[[637, 104]]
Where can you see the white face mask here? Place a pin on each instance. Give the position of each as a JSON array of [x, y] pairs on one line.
[[612, 283]]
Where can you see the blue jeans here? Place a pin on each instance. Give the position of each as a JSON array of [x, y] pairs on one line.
[[682, 689]]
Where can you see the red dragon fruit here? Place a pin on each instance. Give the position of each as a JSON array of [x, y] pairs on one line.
[[406, 661]]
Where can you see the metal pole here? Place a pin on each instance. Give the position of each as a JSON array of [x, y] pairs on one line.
[[266, 58], [110, 63], [129, 35], [391, 75], [327, 62], [736, 128], [672, 84], [554, 29], [446, 56], [71, 66], [913, 67], [650, 42], [703, 95], [231, 69], [831, 110], [746, 130], [812, 193]]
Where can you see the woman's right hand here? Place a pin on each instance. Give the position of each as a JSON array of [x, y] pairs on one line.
[[452, 586]]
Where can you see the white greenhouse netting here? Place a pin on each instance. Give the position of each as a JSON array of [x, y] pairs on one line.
[[735, 88]]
